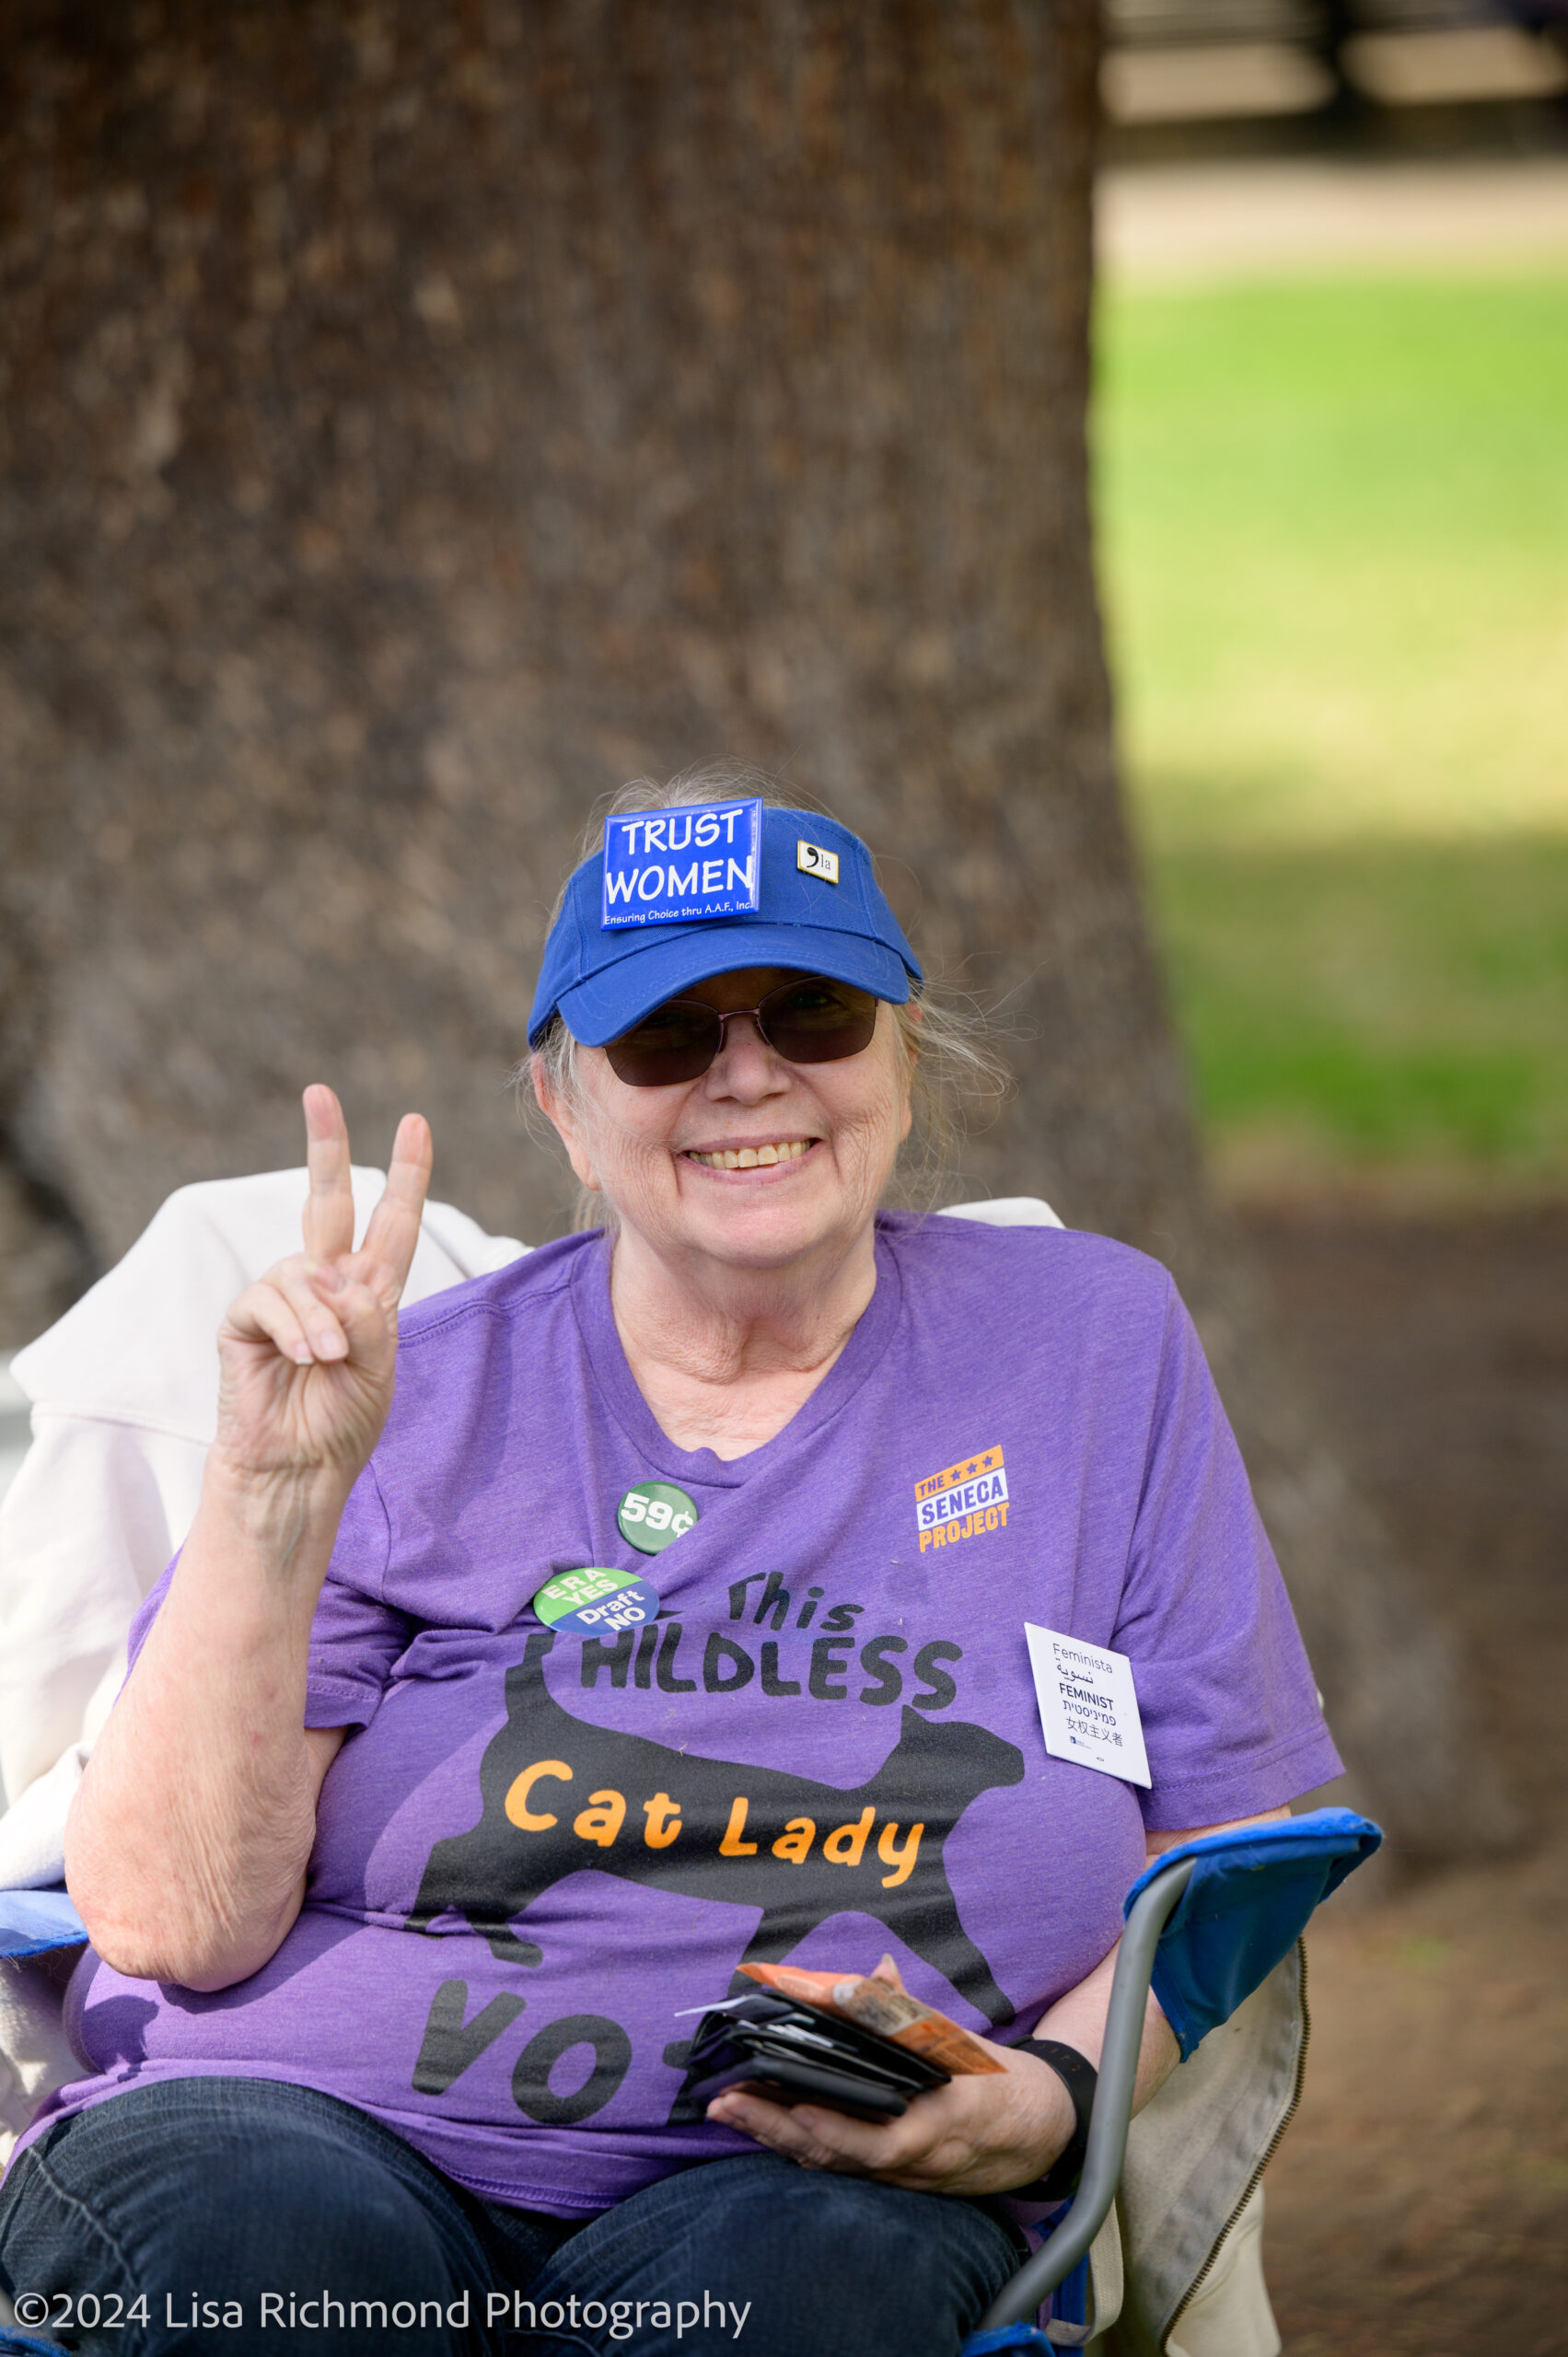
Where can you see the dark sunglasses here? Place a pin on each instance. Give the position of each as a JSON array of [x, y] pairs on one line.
[[807, 1021]]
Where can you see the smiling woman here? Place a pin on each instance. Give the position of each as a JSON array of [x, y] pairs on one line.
[[542, 1656], [759, 1165], [737, 1125], [953, 1066]]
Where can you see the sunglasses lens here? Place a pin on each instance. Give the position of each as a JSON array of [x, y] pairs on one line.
[[676, 1042], [814, 1021], [808, 1021]]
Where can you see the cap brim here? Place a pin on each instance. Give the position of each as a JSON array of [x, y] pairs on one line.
[[663, 963]]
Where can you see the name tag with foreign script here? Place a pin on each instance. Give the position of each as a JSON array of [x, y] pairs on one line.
[[1087, 1706]]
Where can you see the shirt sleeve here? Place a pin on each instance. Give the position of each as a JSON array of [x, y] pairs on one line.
[[1231, 1718], [356, 1638]]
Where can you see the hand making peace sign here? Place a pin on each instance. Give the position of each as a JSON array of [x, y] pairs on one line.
[[308, 1353]]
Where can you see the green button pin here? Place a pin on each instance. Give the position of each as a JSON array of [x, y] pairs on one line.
[[653, 1516], [586, 1603]]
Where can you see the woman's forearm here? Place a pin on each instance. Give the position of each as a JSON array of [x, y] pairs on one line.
[[1078, 2020], [188, 1842], [187, 1846]]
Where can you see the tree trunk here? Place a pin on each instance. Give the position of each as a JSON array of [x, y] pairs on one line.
[[425, 418]]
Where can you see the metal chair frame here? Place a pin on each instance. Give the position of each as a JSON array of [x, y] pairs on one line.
[[1112, 2115]]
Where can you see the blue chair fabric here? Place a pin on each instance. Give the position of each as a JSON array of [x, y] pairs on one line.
[[1009, 2336], [1250, 1896], [32, 1923]]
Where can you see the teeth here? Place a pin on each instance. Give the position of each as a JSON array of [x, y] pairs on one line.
[[748, 1157]]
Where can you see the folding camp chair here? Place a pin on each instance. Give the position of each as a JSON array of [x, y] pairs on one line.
[[1205, 1925]]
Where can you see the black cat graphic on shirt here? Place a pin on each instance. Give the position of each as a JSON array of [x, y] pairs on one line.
[[561, 1794]]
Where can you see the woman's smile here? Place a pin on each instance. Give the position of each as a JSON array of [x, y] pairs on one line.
[[749, 1154]]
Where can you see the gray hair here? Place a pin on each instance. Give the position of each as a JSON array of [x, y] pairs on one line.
[[948, 1052]]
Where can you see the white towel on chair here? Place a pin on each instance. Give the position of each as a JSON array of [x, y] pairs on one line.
[[124, 1393]]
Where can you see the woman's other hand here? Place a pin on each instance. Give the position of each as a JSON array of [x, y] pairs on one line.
[[984, 2134], [308, 1353], [976, 2135]]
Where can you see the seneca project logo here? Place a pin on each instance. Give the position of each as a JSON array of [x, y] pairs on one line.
[[963, 1501]]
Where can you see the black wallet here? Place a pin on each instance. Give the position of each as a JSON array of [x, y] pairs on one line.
[[799, 2055]]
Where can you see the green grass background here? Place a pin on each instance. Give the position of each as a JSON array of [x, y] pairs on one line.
[[1333, 523]]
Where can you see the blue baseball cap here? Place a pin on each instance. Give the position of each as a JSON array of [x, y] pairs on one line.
[[801, 894]]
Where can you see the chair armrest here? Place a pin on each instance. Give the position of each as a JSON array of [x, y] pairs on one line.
[[32, 1923], [1112, 2113]]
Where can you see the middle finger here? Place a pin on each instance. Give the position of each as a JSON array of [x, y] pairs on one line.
[[329, 1208], [392, 1237]]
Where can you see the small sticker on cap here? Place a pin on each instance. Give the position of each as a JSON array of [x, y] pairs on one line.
[[814, 861], [653, 1516], [589, 1602]]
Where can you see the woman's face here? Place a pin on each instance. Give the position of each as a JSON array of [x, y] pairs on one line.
[[827, 1136]]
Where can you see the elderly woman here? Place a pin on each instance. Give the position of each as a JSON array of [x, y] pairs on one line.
[[407, 1848]]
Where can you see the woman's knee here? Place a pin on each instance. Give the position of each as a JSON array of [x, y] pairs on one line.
[[789, 2261], [203, 2209]]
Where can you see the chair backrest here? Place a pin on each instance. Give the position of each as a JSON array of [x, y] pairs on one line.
[[123, 1393]]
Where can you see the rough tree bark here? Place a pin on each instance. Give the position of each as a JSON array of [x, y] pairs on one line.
[[420, 419]]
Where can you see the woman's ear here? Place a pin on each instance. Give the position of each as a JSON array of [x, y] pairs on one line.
[[906, 1025], [563, 1115]]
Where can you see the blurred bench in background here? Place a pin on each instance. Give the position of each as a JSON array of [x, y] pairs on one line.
[[1175, 61]]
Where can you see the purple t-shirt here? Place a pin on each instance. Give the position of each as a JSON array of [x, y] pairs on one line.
[[536, 1848]]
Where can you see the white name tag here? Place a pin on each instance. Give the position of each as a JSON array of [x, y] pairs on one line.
[[1087, 1706]]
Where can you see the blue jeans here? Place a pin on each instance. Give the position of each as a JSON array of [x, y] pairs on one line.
[[252, 2218]]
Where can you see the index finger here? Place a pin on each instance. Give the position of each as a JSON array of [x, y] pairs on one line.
[[393, 1233], [328, 1221]]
